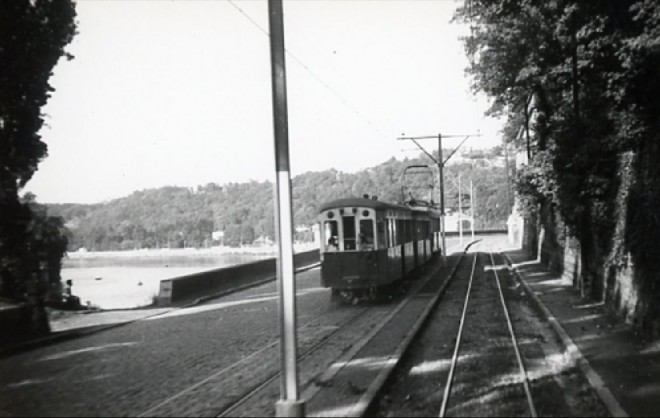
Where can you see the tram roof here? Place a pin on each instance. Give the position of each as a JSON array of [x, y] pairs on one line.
[[361, 202]]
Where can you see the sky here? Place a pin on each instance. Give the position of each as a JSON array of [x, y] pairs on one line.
[[178, 93]]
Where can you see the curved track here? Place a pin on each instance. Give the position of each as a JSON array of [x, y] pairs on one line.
[[466, 360]]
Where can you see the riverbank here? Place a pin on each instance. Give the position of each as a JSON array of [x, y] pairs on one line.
[[176, 252]]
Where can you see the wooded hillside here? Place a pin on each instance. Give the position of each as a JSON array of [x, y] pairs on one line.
[[177, 217]]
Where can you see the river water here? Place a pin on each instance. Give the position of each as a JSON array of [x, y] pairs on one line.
[[129, 282]]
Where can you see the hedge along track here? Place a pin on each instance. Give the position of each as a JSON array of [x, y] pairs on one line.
[[521, 367]]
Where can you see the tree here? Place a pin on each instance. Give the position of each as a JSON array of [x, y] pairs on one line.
[[33, 35], [48, 240]]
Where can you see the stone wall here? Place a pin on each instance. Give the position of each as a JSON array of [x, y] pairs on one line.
[[548, 244], [619, 280]]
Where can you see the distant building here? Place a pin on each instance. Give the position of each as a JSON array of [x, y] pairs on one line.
[[218, 236], [453, 222], [263, 241]]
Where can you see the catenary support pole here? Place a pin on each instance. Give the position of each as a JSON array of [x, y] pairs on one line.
[[288, 405], [460, 210], [441, 163], [442, 199], [472, 200]]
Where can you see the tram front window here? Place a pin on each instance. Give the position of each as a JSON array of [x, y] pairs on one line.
[[349, 232], [366, 237]]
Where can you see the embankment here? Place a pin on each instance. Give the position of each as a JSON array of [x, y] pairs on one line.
[[213, 282]]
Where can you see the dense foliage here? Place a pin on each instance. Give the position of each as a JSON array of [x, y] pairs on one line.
[[579, 82], [33, 35], [173, 217]]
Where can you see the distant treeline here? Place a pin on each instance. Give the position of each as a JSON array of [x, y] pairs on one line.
[[175, 217]]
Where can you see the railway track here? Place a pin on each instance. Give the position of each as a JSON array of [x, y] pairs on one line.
[[484, 352], [353, 382], [317, 382], [522, 378]]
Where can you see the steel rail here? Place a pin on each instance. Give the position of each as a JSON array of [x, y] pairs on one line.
[[274, 376], [445, 397], [151, 411], [521, 365]]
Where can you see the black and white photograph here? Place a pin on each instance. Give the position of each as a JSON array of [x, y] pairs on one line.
[[329, 208]]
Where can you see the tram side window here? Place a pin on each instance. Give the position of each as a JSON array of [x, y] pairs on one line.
[[435, 225], [366, 237], [422, 229], [408, 236], [381, 236], [349, 232], [330, 232], [425, 230]]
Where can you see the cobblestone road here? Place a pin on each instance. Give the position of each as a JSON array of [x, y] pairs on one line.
[[127, 370]]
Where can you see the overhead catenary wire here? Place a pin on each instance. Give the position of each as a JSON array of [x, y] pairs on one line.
[[313, 74]]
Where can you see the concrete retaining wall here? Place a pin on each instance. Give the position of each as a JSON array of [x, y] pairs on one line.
[[207, 283]]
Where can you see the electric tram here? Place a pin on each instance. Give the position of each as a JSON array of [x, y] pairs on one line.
[[367, 246]]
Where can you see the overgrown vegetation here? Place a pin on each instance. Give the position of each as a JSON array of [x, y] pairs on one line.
[[579, 82]]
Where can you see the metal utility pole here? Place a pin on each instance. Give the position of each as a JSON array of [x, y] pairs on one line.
[[289, 405], [472, 199], [441, 163], [460, 210], [508, 180], [441, 180]]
